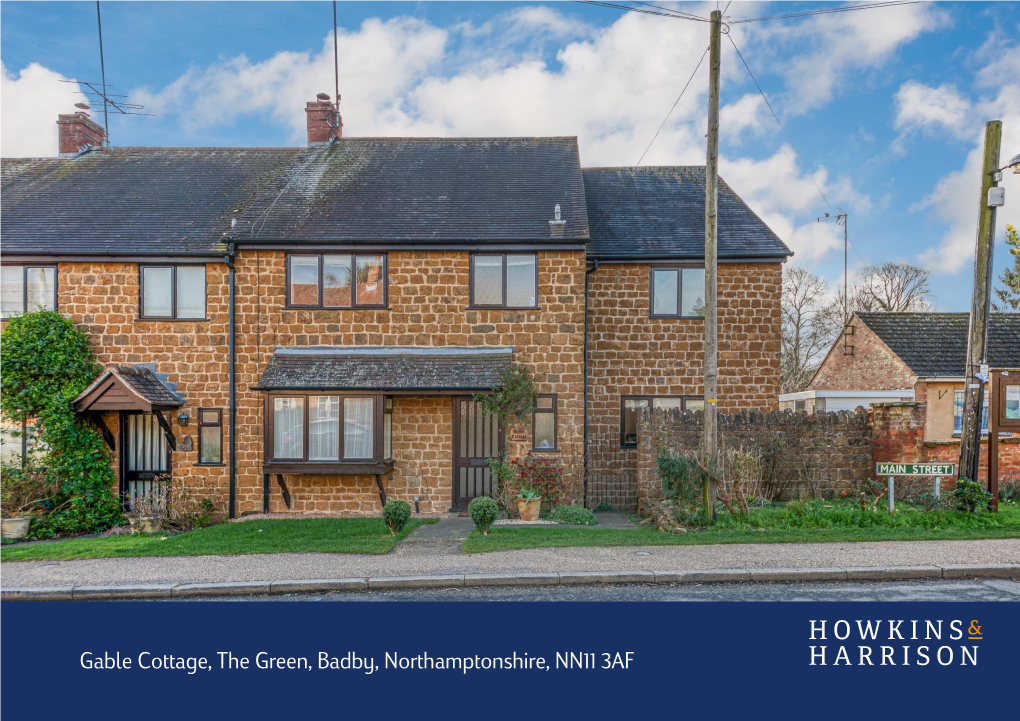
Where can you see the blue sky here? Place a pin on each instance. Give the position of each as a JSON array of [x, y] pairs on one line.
[[885, 106]]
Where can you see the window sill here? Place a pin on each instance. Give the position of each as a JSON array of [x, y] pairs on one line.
[[339, 307], [676, 317], [210, 465], [504, 307], [171, 320], [546, 450], [353, 468]]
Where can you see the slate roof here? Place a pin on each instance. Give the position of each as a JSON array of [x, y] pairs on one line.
[[389, 368], [935, 344], [646, 212], [425, 190], [161, 201]]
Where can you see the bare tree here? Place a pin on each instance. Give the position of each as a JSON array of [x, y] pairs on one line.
[[808, 328], [891, 288]]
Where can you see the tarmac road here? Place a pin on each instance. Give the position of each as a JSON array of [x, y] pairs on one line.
[[928, 590]]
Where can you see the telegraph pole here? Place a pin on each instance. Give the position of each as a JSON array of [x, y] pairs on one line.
[[711, 439], [977, 338]]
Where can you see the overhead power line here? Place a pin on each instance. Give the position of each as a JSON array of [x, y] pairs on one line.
[[649, 147], [651, 9], [827, 11]]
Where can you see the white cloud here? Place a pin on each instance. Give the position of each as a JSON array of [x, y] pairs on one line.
[[954, 202], [839, 47], [28, 114], [921, 107], [746, 114]]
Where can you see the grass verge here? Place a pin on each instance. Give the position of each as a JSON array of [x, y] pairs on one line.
[[276, 535], [770, 525]]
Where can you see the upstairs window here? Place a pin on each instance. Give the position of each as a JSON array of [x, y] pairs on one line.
[[504, 280], [172, 292], [677, 292], [350, 280], [631, 407], [27, 287]]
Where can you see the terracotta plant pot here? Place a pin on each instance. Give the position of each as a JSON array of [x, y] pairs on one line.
[[529, 508], [15, 527]]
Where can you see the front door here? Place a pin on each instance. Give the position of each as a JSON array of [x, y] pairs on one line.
[[145, 459], [477, 437]]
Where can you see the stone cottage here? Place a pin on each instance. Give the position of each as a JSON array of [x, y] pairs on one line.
[[305, 328]]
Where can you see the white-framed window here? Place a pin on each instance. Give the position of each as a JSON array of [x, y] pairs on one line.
[[631, 407], [958, 397]]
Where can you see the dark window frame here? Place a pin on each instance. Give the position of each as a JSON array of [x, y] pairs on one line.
[[502, 305], [173, 291], [269, 439], [320, 303], [202, 424], [556, 422], [679, 269], [650, 399], [25, 267]]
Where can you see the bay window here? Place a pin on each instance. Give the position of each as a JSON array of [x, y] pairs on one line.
[[328, 429]]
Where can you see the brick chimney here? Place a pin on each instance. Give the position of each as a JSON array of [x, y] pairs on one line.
[[319, 132], [76, 131]]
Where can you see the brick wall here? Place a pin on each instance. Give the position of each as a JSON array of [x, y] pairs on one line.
[[102, 299], [872, 366], [898, 434], [428, 297], [818, 455]]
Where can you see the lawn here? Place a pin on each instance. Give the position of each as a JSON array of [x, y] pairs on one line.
[[770, 525], [277, 535]]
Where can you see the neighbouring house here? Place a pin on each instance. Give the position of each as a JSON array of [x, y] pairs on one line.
[[304, 329], [920, 357]]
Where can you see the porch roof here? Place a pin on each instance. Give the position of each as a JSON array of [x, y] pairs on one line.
[[127, 388], [385, 368]]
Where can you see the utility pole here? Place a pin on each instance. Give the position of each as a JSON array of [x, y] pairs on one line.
[[711, 439], [977, 338]]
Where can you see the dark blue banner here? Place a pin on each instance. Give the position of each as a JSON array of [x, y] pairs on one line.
[[506, 660]]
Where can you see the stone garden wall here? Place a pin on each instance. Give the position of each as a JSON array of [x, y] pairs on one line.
[[806, 455]]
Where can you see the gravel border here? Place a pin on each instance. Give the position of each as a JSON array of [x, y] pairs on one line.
[[326, 585]]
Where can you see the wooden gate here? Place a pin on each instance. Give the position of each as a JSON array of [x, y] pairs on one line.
[[477, 437]]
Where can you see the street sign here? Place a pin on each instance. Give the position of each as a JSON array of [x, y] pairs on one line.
[[915, 469]]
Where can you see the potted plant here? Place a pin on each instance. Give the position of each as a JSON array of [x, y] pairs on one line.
[[26, 492], [529, 503], [14, 527]]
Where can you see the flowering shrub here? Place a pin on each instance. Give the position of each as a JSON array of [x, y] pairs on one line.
[[542, 476]]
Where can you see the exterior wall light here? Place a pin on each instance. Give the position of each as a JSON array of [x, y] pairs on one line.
[[183, 418]]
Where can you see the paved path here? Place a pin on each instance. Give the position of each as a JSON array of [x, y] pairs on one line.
[[989, 589], [417, 559]]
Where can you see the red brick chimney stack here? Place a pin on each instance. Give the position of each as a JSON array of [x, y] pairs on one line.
[[76, 131], [319, 132]]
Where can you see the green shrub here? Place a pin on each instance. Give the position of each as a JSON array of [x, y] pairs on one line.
[[681, 478], [603, 507], [396, 513], [45, 363], [1009, 492], [971, 496], [483, 512], [575, 516]]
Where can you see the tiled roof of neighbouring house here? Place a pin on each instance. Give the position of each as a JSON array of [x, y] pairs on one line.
[[651, 212], [935, 344], [385, 368], [423, 190], [134, 201]]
